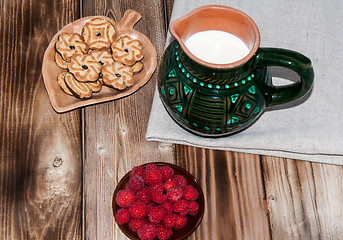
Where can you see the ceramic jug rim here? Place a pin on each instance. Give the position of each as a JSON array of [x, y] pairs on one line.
[[254, 28]]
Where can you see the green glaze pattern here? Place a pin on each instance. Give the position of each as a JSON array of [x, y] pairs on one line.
[[217, 102]]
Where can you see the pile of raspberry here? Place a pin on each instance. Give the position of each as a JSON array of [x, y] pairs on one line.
[[155, 202]]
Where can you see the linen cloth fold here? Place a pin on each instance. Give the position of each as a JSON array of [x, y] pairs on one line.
[[312, 130]]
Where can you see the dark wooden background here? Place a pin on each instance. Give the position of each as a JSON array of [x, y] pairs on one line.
[[58, 171]]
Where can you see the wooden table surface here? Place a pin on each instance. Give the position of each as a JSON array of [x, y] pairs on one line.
[[58, 171]]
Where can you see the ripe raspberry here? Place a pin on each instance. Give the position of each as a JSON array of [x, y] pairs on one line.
[[151, 166], [180, 180], [174, 194], [169, 184], [122, 216], [180, 222], [136, 183], [143, 195], [125, 198], [147, 232], [167, 206], [149, 206], [193, 208], [152, 177], [181, 206], [138, 210], [163, 232], [139, 170], [169, 220], [190, 193], [156, 214], [166, 172], [158, 197], [158, 187], [136, 224]]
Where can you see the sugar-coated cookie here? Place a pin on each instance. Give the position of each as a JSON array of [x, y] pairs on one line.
[[137, 67], [127, 50], [79, 89], [117, 75], [104, 57], [75, 86], [98, 33], [61, 82], [70, 44], [85, 68], [60, 62], [95, 86]]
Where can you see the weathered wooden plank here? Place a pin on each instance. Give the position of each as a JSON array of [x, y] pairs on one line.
[[233, 187], [305, 200], [114, 132], [40, 150], [168, 6]]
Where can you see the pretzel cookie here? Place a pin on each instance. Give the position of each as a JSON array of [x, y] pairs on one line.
[[62, 83], [117, 75], [70, 44], [60, 62], [79, 89], [137, 67], [95, 86], [127, 50], [85, 68], [98, 33], [104, 57]]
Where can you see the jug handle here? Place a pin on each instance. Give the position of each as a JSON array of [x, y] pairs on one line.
[[288, 59]]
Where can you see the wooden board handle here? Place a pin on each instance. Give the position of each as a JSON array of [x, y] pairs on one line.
[[129, 19]]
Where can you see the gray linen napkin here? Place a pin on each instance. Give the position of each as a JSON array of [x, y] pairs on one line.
[[310, 131]]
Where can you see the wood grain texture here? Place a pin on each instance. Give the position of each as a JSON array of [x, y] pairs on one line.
[[233, 187], [40, 150], [305, 200], [168, 6], [114, 132], [42, 159]]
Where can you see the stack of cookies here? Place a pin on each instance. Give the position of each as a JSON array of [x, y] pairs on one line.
[[96, 58]]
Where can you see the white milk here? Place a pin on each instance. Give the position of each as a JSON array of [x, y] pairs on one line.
[[216, 46]]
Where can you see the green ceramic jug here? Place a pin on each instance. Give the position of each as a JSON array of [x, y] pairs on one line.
[[215, 100]]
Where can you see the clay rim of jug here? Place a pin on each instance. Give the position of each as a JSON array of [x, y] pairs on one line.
[[217, 17]]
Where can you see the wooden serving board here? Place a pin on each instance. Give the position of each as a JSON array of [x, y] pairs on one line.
[[62, 102]]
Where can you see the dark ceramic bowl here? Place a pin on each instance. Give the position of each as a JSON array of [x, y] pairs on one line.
[[192, 221]]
